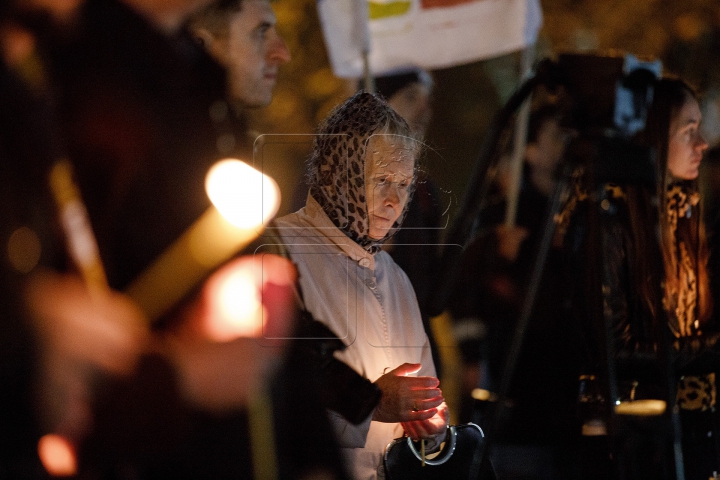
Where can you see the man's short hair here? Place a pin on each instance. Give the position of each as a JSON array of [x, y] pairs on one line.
[[216, 16]]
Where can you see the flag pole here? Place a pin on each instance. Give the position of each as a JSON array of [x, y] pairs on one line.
[[363, 38], [369, 81], [518, 155]]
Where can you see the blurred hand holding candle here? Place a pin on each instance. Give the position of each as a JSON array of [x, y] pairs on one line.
[[243, 200], [83, 334], [250, 297], [232, 337], [221, 359]]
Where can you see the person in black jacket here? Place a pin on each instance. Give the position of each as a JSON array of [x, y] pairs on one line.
[[656, 297], [130, 100], [534, 438]]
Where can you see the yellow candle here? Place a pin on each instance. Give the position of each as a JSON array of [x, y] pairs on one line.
[[244, 200], [57, 455]]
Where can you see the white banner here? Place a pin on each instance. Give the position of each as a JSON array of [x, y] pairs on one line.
[[425, 33]]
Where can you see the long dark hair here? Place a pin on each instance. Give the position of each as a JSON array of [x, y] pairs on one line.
[[669, 97]]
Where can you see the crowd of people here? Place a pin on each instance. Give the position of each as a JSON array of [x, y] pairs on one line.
[[112, 113]]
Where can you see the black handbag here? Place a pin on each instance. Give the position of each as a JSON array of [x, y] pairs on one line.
[[461, 457]]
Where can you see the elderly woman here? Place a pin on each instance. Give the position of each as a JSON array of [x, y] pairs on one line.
[[362, 175]]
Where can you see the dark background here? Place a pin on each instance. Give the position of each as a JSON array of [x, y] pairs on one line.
[[684, 35]]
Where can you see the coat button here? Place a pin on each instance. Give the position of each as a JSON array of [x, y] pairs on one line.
[[364, 262]]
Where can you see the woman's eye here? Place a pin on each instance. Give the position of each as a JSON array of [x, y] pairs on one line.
[[690, 133]]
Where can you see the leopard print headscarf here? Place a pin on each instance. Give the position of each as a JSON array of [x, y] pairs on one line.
[[336, 169]]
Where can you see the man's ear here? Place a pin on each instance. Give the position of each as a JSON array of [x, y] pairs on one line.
[[211, 43], [202, 36]]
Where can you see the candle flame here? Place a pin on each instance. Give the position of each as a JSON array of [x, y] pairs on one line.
[[244, 196], [57, 455], [239, 308]]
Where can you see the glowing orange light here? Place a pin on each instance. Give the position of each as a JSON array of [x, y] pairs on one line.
[[483, 395], [24, 249], [57, 455], [244, 196], [412, 371], [243, 200], [645, 407], [238, 307]]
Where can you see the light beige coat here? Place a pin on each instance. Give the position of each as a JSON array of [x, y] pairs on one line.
[[368, 301]]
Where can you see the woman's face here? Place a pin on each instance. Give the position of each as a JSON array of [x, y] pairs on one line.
[[686, 143], [389, 170]]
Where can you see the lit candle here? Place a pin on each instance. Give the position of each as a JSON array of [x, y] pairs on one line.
[[243, 200], [57, 455]]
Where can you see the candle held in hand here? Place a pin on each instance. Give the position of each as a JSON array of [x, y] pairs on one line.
[[243, 200]]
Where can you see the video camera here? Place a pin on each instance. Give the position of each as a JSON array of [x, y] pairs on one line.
[[605, 98], [609, 97]]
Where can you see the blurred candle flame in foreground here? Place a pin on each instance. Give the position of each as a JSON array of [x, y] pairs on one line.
[[243, 199], [57, 455], [235, 187], [240, 308], [252, 296]]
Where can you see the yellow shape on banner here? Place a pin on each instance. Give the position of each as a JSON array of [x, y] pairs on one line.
[[390, 9]]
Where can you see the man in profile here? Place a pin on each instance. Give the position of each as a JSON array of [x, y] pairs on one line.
[[131, 99], [241, 36]]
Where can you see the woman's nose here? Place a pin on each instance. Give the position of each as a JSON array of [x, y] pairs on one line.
[[701, 143], [392, 195]]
